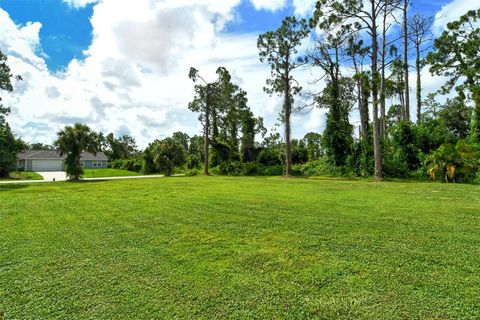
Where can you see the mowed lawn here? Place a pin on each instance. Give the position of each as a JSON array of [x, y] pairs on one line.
[[109, 172], [242, 248]]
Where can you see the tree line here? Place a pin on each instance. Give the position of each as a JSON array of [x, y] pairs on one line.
[[356, 35], [363, 52]]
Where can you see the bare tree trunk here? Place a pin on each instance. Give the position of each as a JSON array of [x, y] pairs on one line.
[[401, 97], [419, 85], [288, 143], [382, 80], [405, 60], [377, 150], [361, 110], [206, 138], [363, 130]]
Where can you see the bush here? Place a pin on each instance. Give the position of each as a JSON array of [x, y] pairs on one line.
[[134, 164], [322, 167], [193, 162], [477, 178], [193, 172], [236, 168], [270, 157], [457, 163]]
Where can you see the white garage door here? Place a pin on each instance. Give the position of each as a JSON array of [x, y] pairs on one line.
[[47, 165]]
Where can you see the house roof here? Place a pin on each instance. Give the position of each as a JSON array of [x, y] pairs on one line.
[[54, 155]]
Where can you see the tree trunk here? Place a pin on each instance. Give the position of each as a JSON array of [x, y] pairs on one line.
[[419, 85], [206, 138], [79, 164], [382, 80], [361, 110], [476, 115], [288, 145], [377, 150], [405, 60]]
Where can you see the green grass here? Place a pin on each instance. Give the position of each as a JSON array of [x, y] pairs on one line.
[[102, 173], [23, 176], [242, 248]]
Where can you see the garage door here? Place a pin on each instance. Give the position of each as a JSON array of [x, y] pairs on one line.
[[47, 165]]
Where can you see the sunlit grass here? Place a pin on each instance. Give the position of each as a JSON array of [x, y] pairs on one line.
[[102, 173], [221, 247]]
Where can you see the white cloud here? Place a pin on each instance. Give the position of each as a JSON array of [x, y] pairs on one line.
[[451, 12], [134, 77], [135, 73], [304, 7], [79, 3], [21, 41], [271, 5]]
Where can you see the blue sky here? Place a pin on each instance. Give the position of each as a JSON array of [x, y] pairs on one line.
[[120, 65], [66, 32]]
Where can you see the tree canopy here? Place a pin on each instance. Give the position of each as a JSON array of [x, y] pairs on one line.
[[72, 141]]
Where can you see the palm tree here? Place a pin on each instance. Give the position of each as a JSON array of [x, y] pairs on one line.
[[72, 141]]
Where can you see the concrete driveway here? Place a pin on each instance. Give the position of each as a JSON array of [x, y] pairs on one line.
[[50, 175], [61, 176]]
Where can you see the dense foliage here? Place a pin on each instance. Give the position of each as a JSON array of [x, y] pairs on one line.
[[164, 155], [71, 142], [9, 144]]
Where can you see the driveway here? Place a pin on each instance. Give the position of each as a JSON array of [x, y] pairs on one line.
[[61, 176], [50, 175]]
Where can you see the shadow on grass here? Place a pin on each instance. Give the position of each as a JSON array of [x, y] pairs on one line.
[[12, 186]]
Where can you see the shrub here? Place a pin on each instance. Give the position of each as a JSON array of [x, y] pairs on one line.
[[270, 157], [457, 163], [322, 167], [134, 164], [192, 172], [193, 162]]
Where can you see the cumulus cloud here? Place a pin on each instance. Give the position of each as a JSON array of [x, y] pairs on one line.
[[52, 92], [271, 5], [304, 7], [134, 74], [23, 42], [450, 12], [79, 3], [134, 77]]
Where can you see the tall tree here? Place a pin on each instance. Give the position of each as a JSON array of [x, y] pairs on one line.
[[280, 49], [406, 3], [206, 103], [9, 145], [250, 127], [123, 147], [386, 49], [456, 54], [419, 33], [357, 53], [365, 16], [72, 141], [337, 96]]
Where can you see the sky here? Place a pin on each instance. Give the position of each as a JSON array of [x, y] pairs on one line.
[[122, 66]]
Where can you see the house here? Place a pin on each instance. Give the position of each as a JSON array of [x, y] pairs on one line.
[[41, 160]]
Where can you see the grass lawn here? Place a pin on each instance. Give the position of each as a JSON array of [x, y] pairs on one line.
[[102, 173], [23, 176], [222, 247]]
